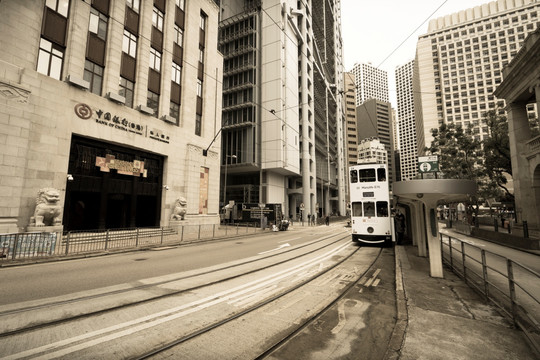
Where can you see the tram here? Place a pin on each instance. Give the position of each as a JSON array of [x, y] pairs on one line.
[[371, 220]]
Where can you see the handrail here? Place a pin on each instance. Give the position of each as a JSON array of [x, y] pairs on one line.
[[517, 301]]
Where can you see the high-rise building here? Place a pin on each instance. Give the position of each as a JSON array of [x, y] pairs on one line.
[[371, 83], [372, 151], [350, 119], [406, 121], [281, 110], [107, 107], [374, 118], [459, 64]]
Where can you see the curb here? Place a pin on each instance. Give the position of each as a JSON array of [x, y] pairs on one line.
[[397, 338]]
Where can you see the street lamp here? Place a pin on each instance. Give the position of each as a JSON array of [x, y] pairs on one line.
[[225, 180]]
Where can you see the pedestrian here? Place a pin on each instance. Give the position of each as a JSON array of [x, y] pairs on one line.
[[290, 219], [327, 220], [309, 219], [313, 219], [400, 226]]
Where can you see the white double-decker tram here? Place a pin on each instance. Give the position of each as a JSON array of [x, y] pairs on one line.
[[371, 220]]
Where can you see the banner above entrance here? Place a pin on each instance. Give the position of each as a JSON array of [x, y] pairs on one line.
[[135, 168]]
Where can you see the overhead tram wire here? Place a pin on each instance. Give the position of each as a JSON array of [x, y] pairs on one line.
[[407, 38]]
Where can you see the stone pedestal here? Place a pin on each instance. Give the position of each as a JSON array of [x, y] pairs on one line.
[[8, 225], [47, 229]]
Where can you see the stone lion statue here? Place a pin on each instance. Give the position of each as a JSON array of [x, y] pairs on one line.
[[48, 209], [180, 208]]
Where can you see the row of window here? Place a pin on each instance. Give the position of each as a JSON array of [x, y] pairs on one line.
[[51, 54]]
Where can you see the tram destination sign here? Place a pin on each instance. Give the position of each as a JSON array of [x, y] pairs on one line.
[[428, 164]]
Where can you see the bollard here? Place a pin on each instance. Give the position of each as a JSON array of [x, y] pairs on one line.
[[525, 229]]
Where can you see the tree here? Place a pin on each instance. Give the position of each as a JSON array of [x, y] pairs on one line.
[[497, 161], [460, 156]]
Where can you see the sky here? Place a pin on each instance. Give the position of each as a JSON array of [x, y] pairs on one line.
[[373, 29]]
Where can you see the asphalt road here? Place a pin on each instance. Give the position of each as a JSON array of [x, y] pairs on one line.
[[38, 281]]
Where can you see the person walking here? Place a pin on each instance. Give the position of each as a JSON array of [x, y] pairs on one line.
[[309, 219], [400, 226], [327, 220], [313, 219]]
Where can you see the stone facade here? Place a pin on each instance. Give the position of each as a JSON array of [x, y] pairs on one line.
[[40, 114], [521, 86]]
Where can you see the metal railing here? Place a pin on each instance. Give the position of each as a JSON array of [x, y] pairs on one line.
[[35, 245], [511, 286]]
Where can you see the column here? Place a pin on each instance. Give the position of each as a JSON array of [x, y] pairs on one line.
[[432, 232], [519, 133]]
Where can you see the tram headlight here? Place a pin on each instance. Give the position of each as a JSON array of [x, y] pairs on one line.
[[370, 230]]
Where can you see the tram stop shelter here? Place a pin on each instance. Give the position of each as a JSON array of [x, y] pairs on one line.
[[428, 194]]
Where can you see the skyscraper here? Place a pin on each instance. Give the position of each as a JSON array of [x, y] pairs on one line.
[[351, 130], [371, 83], [281, 110], [459, 64], [406, 121], [374, 118]]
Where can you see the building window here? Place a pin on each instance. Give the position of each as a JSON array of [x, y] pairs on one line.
[[60, 6], [98, 24], [203, 21], [157, 19], [201, 54], [129, 45], [176, 75], [178, 35], [50, 59], [152, 101], [93, 73], [199, 88], [133, 5], [198, 123], [174, 111], [181, 4], [155, 60], [126, 90]]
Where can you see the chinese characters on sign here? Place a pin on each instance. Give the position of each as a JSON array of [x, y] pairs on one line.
[[85, 112]]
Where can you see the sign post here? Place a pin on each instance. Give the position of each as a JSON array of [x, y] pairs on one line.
[[428, 164], [262, 206]]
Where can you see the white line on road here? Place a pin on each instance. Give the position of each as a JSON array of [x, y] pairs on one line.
[[161, 317], [278, 248]]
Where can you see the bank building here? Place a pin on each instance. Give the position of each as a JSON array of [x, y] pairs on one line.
[[109, 110]]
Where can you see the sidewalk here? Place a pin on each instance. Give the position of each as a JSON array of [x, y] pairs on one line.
[[446, 319]]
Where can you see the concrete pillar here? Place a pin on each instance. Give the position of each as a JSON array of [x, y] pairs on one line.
[[420, 229], [519, 133], [432, 231]]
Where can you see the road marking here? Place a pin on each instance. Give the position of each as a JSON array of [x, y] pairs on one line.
[[298, 238], [289, 304], [278, 248], [342, 319], [62, 347]]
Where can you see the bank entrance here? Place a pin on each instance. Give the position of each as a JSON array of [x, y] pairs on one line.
[[112, 187]]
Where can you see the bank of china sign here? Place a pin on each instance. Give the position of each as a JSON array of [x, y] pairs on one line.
[[104, 118]]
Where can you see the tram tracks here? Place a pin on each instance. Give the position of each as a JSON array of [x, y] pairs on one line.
[[127, 291], [108, 333]]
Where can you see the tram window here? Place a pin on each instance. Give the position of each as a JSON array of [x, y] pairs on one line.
[[369, 208], [381, 174], [354, 176], [357, 208], [366, 175], [382, 209]]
